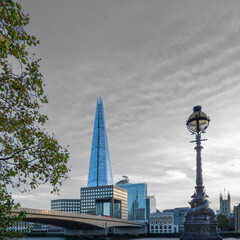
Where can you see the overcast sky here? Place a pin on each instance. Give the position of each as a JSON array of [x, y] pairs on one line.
[[151, 61]]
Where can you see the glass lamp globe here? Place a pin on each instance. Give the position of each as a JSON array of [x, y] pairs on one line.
[[198, 120]]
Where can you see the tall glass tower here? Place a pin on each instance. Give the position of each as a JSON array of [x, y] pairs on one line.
[[100, 170]]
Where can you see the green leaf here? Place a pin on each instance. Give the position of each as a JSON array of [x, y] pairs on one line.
[[7, 45], [23, 61], [2, 39], [18, 6]]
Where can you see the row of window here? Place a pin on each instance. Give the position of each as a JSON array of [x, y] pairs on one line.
[[87, 207], [94, 196], [161, 231], [72, 211], [160, 222], [162, 227], [95, 190], [84, 210], [64, 205], [88, 204], [88, 200]]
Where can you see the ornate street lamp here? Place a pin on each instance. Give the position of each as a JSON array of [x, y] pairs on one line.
[[200, 222]]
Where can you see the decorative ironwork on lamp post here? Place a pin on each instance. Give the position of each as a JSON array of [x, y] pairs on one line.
[[200, 222]]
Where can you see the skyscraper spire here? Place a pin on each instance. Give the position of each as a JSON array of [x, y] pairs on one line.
[[100, 170]]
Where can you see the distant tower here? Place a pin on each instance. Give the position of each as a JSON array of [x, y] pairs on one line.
[[225, 204], [100, 170]]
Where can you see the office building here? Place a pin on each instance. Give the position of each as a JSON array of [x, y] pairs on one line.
[[101, 197], [100, 170], [108, 201], [137, 199], [237, 218], [179, 217], [150, 205], [225, 204], [66, 205]]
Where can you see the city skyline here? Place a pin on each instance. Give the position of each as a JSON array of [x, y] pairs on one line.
[[151, 62]]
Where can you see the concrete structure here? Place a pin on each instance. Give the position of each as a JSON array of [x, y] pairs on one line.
[[225, 204], [237, 218], [109, 201], [100, 170], [76, 224], [137, 199], [74, 220], [162, 222], [66, 205]]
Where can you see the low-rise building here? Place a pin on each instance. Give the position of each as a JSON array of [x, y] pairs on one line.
[[108, 201], [179, 217], [168, 221], [66, 205], [162, 222]]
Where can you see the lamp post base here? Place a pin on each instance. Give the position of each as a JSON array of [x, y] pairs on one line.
[[202, 226]]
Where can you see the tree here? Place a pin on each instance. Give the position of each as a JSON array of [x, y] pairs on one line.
[[28, 155], [222, 222]]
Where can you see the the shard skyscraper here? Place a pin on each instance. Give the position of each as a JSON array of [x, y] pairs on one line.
[[100, 170]]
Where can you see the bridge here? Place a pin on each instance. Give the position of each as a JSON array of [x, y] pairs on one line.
[[77, 221]]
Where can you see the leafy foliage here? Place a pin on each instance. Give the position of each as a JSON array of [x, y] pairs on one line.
[[222, 221], [6, 219], [28, 155]]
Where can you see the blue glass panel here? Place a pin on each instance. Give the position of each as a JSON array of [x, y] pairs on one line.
[[137, 197], [100, 170]]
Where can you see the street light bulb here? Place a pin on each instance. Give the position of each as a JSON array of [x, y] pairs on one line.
[[198, 120]]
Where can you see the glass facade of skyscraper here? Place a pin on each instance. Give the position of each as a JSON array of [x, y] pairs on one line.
[[100, 170], [137, 200]]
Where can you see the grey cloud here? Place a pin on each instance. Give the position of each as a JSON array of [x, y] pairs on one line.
[[151, 63]]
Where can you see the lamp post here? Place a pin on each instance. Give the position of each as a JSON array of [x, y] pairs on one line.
[[200, 222]]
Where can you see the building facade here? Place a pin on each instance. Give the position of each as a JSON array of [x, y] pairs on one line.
[[100, 170], [108, 201], [225, 205], [151, 205], [101, 197], [179, 217], [237, 218], [66, 205], [137, 199], [162, 222], [168, 221]]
